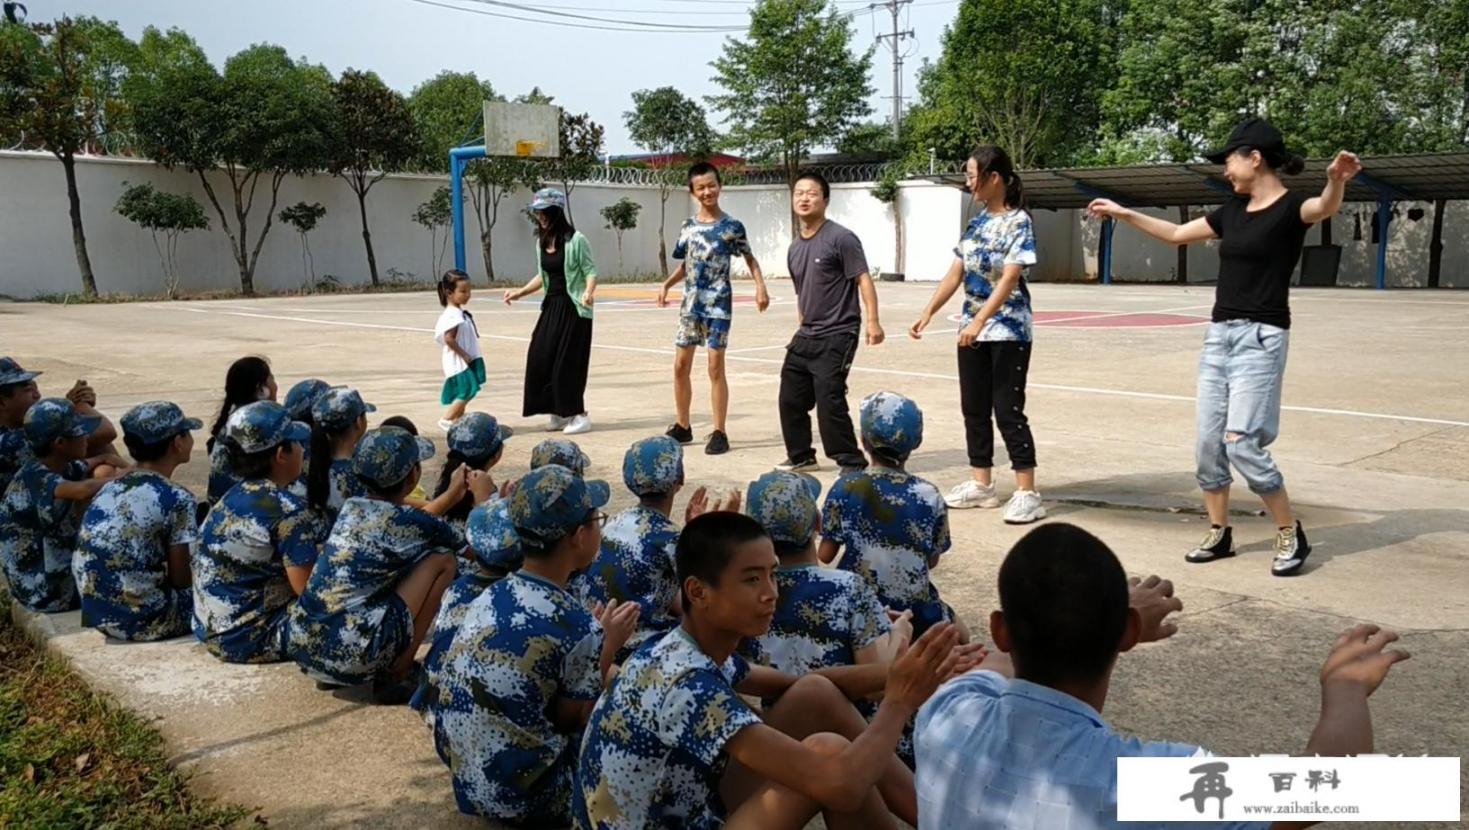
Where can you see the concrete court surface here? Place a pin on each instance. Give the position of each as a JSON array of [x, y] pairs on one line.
[[1374, 445]]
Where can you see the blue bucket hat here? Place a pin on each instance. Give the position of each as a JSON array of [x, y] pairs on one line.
[[561, 451], [892, 422], [478, 435], [548, 197], [158, 421], [11, 373], [339, 407], [653, 466], [261, 425], [785, 504], [51, 418], [385, 456], [551, 501], [491, 535], [304, 395]]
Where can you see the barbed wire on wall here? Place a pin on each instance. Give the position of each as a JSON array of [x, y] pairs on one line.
[[834, 173]]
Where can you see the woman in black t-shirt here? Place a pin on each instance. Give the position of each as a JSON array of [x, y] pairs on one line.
[[1261, 231]]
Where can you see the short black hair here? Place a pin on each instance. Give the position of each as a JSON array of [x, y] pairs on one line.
[[707, 545], [144, 452], [249, 466], [1064, 596], [814, 176], [703, 168], [391, 491], [9, 389], [401, 423]]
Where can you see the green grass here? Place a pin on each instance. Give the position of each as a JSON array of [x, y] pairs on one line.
[[72, 758]]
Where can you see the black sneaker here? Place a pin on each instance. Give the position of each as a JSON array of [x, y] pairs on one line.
[[389, 692], [793, 466], [848, 469], [718, 443], [1291, 550], [683, 435], [328, 686], [1218, 543]]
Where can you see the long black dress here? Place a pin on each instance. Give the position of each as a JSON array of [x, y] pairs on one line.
[[560, 348]]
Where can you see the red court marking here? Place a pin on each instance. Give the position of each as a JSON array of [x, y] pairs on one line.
[[1109, 319]]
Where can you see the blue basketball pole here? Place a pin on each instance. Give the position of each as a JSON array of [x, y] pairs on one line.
[[458, 158]]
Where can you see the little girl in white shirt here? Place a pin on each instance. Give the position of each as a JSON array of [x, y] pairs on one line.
[[464, 367]]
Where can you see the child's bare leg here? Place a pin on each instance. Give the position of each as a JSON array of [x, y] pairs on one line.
[[815, 705], [421, 591], [777, 806], [718, 387], [683, 384], [456, 410]]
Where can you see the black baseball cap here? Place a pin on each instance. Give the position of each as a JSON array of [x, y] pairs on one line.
[[1255, 133]]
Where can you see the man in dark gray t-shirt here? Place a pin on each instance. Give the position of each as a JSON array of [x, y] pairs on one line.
[[829, 271]]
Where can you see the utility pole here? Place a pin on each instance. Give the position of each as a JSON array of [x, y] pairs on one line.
[[894, 42]]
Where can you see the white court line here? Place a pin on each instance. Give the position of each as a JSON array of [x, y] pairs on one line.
[[1085, 390], [748, 349], [1174, 310]]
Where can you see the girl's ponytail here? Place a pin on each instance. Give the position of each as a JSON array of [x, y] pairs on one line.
[[318, 471], [1015, 191]]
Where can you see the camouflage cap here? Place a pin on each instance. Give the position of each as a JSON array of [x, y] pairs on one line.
[[561, 451], [785, 503], [478, 435], [158, 421], [339, 407], [892, 422], [548, 197], [11, 373], [653, 466], [551, 501], [51, 418], [304, 395], [491, 535], [386, 455], [261, 425]]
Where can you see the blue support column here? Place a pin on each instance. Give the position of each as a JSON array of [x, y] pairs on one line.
[[1384, 216], [1108, 226], [458, 158]]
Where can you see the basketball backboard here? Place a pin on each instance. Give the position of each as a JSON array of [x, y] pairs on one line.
[[523, 130]]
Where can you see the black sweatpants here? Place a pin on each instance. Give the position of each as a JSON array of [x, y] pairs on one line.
[[992, 379], [815, 374]]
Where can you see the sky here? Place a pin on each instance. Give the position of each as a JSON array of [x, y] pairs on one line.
[[593, 71]]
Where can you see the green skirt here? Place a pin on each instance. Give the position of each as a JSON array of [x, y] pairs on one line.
[[465, 385]]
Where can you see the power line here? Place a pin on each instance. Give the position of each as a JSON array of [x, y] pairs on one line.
[[600, 23], [570, 25]]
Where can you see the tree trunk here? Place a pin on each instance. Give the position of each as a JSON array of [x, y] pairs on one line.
[[78, 236], [898, 252], [1435, 245], [367, 235], [662, 223], [1181, 277]]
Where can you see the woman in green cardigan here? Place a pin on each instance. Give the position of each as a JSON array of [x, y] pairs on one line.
[[561, 346]]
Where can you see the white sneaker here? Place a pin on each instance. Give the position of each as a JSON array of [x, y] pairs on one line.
[[972, 494], [578, 425], [445, 424], [1024, 507], [557, 423]]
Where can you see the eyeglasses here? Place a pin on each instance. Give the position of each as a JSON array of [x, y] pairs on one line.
[[598, 518]]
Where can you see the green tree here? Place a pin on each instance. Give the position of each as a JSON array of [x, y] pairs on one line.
[[170, 214], [491, 180], [621, 216], [303, 216], [58, 92], [535, 96], [668, 124], [446, 108], [581, 152], [264, 118], [794, 84], [434, 214], [870, 138], [373, 134], [887, 191], [1027, 75]]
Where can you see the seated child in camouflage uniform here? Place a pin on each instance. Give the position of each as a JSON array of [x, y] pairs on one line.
[[892, 524], [493, 552], [259, 543], [298, 403], [514, 689], [635, 563], [132, 557], [377, 584], [476, 444], [41, 509], [340, 417], [563, 451], [671, 742], [18, 392], [247, 381]]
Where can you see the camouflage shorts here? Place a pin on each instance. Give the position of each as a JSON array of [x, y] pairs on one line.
[[702, 331]]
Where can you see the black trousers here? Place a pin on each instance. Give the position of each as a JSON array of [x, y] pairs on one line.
[[992, 379], [815, 374]]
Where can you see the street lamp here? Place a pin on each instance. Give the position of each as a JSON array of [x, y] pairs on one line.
[[15, 12]]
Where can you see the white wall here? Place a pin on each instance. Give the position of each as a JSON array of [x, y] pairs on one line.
[[36, 254]]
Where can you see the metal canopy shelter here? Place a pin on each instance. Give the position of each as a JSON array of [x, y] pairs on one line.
[[1427, 177]]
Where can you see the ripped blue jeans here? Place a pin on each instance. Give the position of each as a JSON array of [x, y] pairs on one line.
[[1240, 373]]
